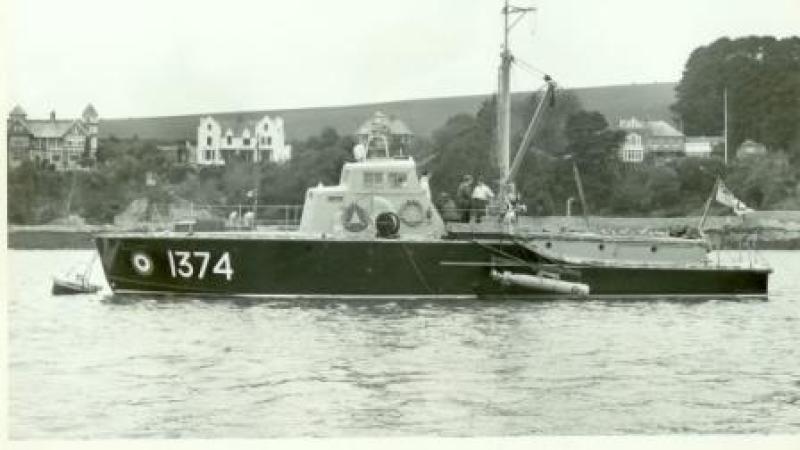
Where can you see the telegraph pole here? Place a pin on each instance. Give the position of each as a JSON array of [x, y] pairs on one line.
[[725, 120]]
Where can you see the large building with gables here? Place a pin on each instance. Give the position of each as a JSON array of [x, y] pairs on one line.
[[220, 140], [59, 144], [392, 134]]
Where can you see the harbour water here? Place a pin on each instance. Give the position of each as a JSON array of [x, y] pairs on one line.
[[99, 366]]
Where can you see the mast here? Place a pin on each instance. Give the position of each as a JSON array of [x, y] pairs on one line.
[[504, 91], [504, 102]]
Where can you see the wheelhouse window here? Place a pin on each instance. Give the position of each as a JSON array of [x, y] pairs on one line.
[[373, 179], [398, 179]]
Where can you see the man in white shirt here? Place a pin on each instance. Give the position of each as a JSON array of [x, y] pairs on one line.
[[480, 198], [425, 183]]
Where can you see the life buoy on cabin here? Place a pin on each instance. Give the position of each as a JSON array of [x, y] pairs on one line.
[[355, 218], [412, 213]]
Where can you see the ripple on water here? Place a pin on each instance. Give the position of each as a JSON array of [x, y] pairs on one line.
[[114, 366]]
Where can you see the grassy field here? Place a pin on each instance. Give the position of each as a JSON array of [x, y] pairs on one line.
[[423, 116]]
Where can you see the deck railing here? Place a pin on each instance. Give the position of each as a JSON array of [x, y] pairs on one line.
[[238, 217]]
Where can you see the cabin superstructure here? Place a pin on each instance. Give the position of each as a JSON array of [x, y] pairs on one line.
[[368, 192]]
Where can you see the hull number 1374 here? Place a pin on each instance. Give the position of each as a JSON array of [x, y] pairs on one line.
[[196, 264]]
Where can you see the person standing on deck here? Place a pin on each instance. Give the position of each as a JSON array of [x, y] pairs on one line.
[[447, 208], [480, 198], [425, 183], [464, 197]]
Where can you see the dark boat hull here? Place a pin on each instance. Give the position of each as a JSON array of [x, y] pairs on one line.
[[322, 268]]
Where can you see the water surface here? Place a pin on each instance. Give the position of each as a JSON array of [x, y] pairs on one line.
[[100, 366]]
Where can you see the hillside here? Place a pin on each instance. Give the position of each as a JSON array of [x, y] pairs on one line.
[[423, 116]]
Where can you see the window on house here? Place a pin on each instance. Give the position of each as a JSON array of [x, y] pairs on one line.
[[209, 140], [229, 140], [209, 155], [209, 127], [246, 141], [266, 127], [269, 140], [262, 140], [373, 179]]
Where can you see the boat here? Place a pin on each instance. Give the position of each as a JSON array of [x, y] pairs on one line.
[[377, 235], [79, 285], [75, 282]]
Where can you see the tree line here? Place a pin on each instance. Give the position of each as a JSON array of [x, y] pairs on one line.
[[760, 74]]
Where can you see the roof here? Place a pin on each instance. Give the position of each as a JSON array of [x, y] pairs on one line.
[[382, 163], [661, 128], [652, 127], [396, 126], [751, 143], [236, 125], [89, 111], [705, 139], [17, 111], [50, 128]]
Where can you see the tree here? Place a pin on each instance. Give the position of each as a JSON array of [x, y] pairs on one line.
[[464, 146], [762, 79], [763, 182], [593, 148]]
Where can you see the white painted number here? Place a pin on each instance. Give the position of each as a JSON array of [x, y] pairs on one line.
[[223, 266], [185, 268], [204, 264], [180, 264]]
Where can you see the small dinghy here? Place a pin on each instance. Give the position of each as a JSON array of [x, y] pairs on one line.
[[78, 285], [75, 282]]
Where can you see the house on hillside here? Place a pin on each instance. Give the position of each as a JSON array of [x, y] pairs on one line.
[[177, 153], [220, 140], [702, 146], [655, 139], [382, 131], [59, 144], [751, 148]]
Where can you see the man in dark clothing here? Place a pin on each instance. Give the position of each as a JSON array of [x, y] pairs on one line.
[[447, 208], [464, 197]]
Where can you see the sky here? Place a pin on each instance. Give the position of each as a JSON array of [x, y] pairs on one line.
[[168, 57]]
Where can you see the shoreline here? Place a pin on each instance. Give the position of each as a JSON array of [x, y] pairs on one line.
[[725, 232]]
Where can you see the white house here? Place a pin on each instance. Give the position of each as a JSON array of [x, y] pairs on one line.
[[702, 146], [220, 140], [656, 138], [751, 148]]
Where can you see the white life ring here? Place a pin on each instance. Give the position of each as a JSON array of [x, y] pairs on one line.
[[412, 213], [142, 263]]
